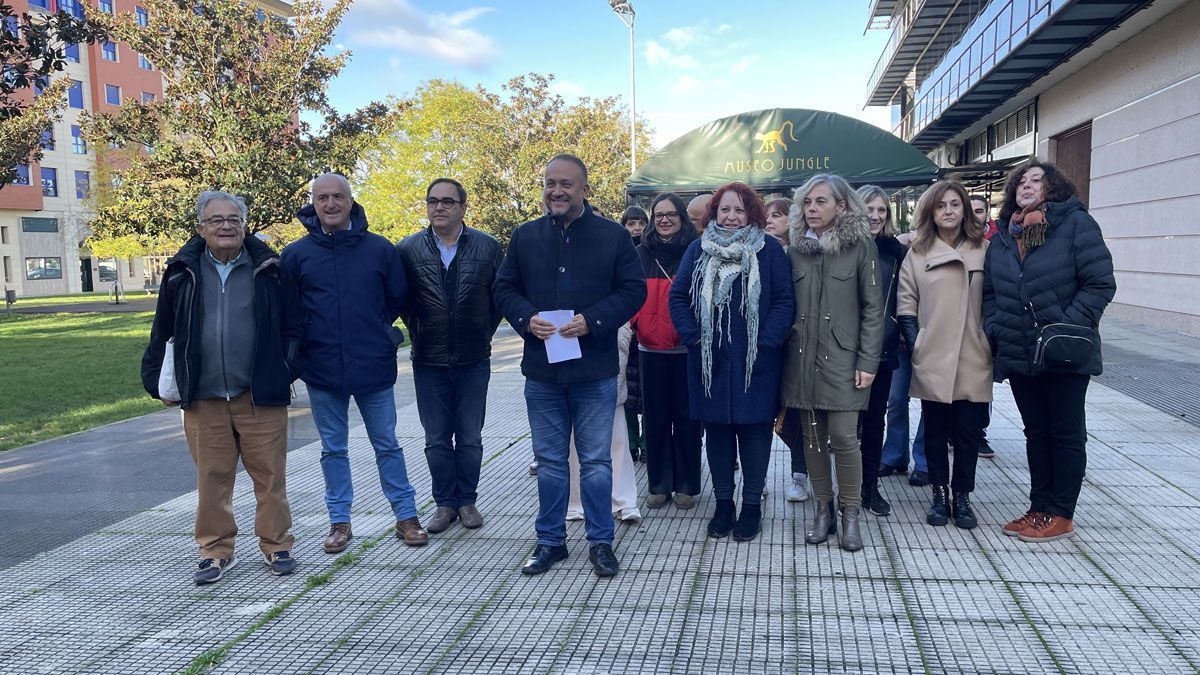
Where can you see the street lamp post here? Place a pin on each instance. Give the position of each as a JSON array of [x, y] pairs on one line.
[[624, 12]]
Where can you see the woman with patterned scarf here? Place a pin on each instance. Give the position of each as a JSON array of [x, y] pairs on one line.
[[1047, 264], [835, 343], [732, 305]]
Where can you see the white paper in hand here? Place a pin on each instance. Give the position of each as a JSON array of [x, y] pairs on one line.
[[168, 388], [559, 348]]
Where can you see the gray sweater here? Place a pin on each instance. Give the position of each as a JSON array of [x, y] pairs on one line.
[[227, 332]]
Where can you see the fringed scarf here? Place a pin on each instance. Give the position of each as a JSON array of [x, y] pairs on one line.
[[726, 256], [1028, 227]]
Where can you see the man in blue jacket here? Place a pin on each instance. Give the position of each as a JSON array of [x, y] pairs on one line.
[[571, 259], [352, 288]]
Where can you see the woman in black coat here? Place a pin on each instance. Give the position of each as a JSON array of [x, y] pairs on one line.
[[891, 254], [1047, 264]]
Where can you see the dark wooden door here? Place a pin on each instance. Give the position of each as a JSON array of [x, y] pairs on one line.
[[1074, 158]]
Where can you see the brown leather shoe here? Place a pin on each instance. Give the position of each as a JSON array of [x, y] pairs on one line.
[[339, 538], [1018, 525], [442, 519], [1048, 527], [471, 518], [410, 531]]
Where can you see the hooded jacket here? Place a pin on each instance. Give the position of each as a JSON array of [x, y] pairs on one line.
[[352, 287], [451, 331], [278, 324], [838, 327], [1068, 279], [891, 256], [589, 267]]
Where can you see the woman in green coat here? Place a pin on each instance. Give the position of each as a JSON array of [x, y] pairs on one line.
[[833, 351]]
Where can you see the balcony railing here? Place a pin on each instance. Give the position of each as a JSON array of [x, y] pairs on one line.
[[996, 32], [903, 19]]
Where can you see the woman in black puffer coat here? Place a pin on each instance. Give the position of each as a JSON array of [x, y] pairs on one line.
[[1047, 264]]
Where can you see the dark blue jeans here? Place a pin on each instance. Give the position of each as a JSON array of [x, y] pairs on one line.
[[895, 445], [750, 442], [451, 403], [556, 410]]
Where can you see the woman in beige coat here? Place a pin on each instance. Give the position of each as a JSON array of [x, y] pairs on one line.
[[939, 307]]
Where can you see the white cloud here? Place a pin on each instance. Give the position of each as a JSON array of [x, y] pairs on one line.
[[681, 37], [396, 24], [568, 89], [744, 64], [658, 55]]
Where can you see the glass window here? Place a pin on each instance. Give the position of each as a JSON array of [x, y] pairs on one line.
[[47, 142], [143, 18], [108, 270], [12, 25], [144, 63], [83, 184], [22, 177], [112, 94], [43, 268], [71, 51], [39, 225], [75, 94], [106, 6], [49, 182], [109, 51], [44, 4], [78, 142], [147, 97], [71, 7]]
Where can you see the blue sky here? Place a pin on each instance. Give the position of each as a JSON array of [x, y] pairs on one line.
[[696, 61]]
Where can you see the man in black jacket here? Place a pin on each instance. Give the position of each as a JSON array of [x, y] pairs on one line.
[[571, 259], [451, 318], [236, 325]]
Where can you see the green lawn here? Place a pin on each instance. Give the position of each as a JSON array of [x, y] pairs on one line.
[[63, 373], [77, 298]]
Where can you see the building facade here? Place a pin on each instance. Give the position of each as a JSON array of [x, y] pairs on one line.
[[1109, 90]]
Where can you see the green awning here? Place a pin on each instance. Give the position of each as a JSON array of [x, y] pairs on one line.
[[773, 150]]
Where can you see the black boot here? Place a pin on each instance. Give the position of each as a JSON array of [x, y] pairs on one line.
[[939, 509], [722, 521], [748, 522], [964, 517], [874, 502]]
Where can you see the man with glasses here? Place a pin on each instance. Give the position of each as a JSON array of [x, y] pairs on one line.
[[352, 287], [451, 318], [236, 325]]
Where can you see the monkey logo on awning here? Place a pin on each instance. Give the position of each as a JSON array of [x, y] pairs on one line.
[[769, 140]]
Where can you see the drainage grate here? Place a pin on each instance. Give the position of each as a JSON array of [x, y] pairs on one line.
[[1168, 385]]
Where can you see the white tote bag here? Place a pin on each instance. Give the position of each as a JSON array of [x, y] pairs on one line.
[[168, 388]]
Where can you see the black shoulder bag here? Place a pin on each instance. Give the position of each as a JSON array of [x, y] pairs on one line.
[[1061, 347]]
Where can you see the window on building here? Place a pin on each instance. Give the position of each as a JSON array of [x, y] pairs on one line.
[[43, 268], [144, 63], [143, 18], [49, 182], [71, 51], [75, 95], [72, 7], [43, 4], [3, 234], [7, 270], [40, 82], [83, 184], [106, 6], [107, 269], [109, 51], [22, 177], [147, 97], [112, 94], [78, 142], [12, 25], [47, 141], [39, 225]]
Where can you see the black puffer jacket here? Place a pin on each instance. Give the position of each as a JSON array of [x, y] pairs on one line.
[[278, 325], [1068, 279], [451, 334], [891, 254]]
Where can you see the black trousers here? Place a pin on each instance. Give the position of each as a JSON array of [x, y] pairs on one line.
[[962, 421], [728, 442], [871, 428], [1052, 410], [672, 438], [791, 431]]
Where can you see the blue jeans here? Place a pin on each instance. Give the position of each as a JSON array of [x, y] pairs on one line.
[[555, 411], [895, 446], [330, 411], [451, 403]]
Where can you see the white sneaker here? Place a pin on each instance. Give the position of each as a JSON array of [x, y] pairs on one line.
[[574, 515], [797, 489]]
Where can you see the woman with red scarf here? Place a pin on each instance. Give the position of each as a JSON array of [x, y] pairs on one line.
[[1048, 277]]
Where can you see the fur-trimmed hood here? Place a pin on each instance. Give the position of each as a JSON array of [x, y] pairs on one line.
[[848, 229]]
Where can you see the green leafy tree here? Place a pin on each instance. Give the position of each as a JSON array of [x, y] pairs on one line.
[[238, 86], [32, 51]]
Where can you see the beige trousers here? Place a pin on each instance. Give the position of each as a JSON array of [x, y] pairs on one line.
[[836, 432], [624, 480], [218, 432]]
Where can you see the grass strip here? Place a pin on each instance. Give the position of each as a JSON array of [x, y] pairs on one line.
[[909, 613], [1020, 605]]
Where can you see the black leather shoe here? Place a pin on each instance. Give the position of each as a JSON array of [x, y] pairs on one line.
[[964, 516], [749, 522], [875, 503], [919, 478], [939, 508], [543, 559], [889, 470], [604, 561]]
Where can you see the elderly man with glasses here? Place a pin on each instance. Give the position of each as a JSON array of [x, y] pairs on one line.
[[451, 317], [233, 325]]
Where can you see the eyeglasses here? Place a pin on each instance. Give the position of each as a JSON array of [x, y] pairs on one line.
[[221, 222], [669, 215], [445, 202]]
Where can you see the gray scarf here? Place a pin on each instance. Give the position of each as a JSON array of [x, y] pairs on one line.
[[726, 255]]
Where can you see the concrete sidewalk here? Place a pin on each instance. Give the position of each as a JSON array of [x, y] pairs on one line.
[[1120, 597]]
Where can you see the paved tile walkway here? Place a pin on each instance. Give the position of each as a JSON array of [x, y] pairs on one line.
[[1121, 597]]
